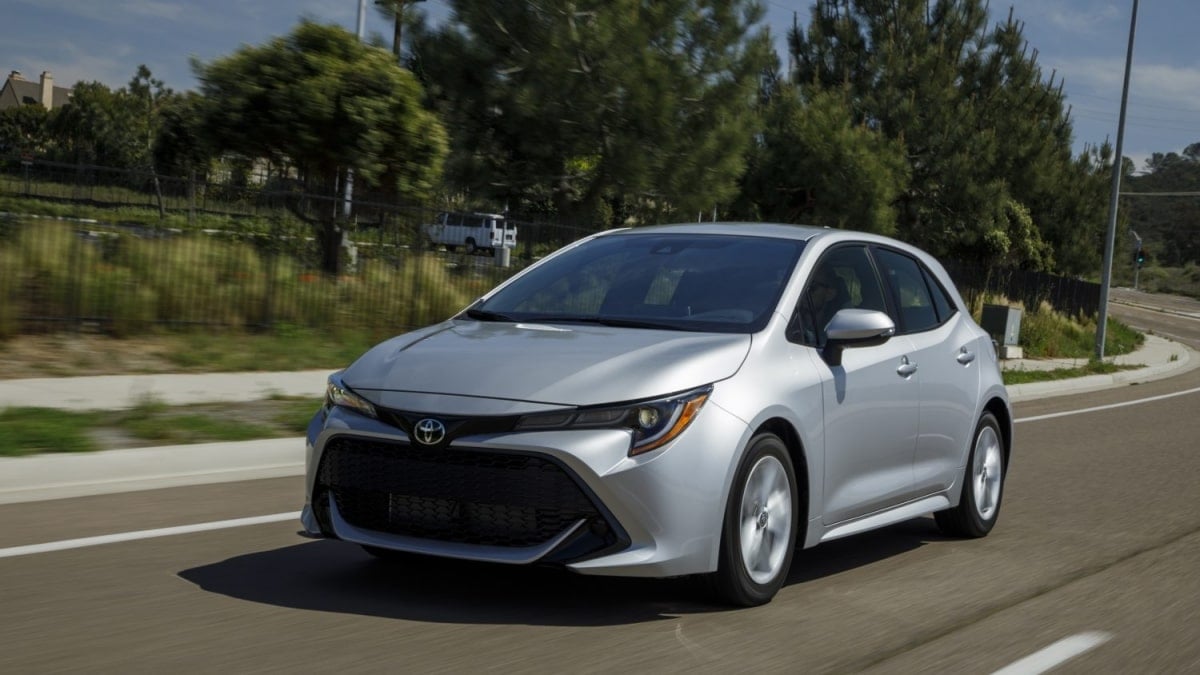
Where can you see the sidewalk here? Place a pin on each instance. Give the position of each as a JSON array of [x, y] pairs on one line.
[[56, 476], [121, 392], [1158, 357]]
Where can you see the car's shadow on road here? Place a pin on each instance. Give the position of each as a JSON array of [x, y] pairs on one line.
[[330, 576]]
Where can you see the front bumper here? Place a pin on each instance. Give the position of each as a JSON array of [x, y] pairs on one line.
[[569, 497]]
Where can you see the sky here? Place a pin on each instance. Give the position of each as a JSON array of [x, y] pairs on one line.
[[1083, 41]]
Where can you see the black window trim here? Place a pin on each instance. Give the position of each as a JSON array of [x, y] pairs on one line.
[[892, 293], [935, 287], [795, 334]]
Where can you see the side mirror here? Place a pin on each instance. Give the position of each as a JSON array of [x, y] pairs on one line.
[[855, 328]]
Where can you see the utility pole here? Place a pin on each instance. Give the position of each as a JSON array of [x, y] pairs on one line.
[[1138, 257], [1118, 161], [397, 22], [348, 192]]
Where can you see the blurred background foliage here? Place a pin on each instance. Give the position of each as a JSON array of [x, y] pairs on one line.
[[916, 118]]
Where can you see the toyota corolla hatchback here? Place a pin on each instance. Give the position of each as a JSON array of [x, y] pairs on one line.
[[675, 400]]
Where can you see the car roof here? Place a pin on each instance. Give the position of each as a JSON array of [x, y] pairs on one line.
[[772, 230], [806, 233]]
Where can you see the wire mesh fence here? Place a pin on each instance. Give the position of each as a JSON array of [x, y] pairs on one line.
[[88, 248], [125, 252]]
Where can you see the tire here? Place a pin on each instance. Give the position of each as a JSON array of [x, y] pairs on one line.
[[469, 248], [983, 485], [757, 544]]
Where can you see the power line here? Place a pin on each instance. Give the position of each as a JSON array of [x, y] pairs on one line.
[[1136, 117], [1134, 104], [1160, 194], [1105, 117]]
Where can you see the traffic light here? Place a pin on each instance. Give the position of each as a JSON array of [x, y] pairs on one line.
[[1139, 256]]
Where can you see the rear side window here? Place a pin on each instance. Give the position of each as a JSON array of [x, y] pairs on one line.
[[910, 293]]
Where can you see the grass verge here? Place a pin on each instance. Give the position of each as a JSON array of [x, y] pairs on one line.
[[27, 356], [28, 431], [1018, 376]]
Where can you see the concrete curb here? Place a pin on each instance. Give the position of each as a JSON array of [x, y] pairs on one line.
[[1178, 360], [121, 392], [1156, 308]]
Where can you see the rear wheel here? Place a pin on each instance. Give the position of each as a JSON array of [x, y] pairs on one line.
[[470, 247], [983, 485], [758, 538]]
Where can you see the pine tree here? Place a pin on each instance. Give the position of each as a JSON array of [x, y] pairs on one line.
[[600, 111], [986, 136]]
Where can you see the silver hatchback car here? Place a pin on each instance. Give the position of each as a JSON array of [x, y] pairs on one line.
[[675, 400]]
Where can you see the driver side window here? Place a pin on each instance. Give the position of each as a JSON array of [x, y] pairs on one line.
[[843, 278]]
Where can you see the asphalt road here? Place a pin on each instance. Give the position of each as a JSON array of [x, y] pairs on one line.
[[1096, 552]]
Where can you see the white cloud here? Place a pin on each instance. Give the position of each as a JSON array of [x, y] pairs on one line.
[[124, 11], [69, 64], [160, 9], [1078, 18], [1159, 84], [1084, 20], [139, 12], [1170, 84]]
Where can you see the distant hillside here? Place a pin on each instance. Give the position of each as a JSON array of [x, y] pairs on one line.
[[1169, 225]]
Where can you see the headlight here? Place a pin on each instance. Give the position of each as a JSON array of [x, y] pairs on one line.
[[653, 423], [336, 394]]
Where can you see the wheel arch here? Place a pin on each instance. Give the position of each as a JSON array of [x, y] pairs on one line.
[[1003, 415], [796, 453]]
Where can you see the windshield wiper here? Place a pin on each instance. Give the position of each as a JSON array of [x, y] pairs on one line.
[[484, 315], [608, 321]]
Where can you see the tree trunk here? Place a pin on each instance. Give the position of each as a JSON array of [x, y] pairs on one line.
[[162, 210], [330, 238]]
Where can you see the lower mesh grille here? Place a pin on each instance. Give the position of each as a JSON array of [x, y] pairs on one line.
[[469, 497]]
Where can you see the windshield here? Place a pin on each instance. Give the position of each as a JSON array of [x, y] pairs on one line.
[[693, 282]]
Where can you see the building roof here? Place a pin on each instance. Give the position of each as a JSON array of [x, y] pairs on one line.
[[19, 91]]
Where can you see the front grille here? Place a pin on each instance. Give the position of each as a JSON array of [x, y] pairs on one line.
[[462, 496]]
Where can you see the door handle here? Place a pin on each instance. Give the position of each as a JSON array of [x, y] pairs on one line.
[[964, 357], [906, 369]]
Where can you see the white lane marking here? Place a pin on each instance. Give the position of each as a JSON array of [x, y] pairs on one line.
[[144, 534], [696, 650], [1057, 653], [1110, 406]]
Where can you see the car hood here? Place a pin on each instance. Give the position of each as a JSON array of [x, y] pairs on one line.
[[572, 365]]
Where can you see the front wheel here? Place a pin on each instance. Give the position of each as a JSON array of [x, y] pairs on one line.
[[983, 483], [758, 537]]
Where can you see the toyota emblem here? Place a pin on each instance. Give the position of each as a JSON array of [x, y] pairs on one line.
[[429, 431]]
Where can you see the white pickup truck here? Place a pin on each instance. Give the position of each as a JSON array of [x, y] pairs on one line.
[[472, 231]]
